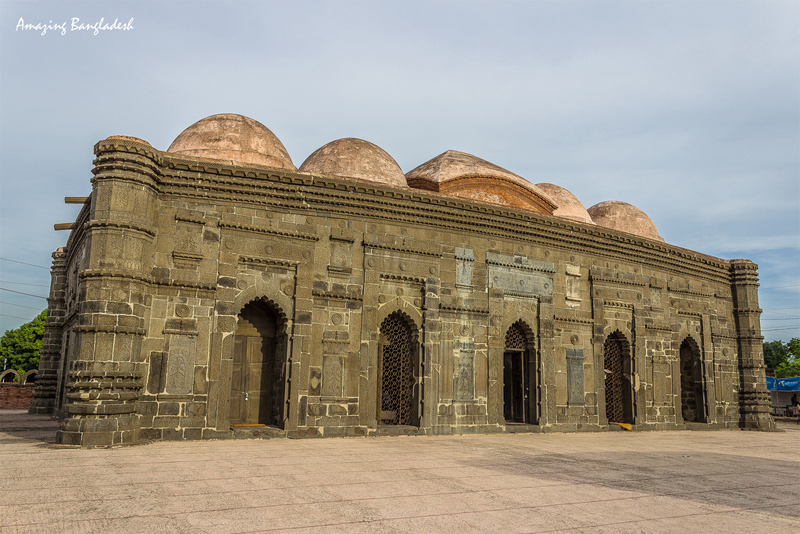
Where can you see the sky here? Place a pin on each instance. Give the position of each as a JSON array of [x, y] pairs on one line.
[[688, 110]]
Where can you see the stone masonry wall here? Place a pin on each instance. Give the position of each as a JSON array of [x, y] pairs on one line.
[[173, 251]]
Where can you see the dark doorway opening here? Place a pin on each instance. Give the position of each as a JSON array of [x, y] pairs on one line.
[[619, 390], [692, 403], [257, 380], [516, 377]]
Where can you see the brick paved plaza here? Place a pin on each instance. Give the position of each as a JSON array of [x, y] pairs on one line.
[[721, 481]]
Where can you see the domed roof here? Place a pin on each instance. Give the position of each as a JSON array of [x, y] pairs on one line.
[[355, 158], [625, 218], [569, 207], [234, 138], [453, 164], [464, 175]]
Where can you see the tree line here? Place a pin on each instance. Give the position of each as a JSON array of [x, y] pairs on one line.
[[784, 358], [19, 348]]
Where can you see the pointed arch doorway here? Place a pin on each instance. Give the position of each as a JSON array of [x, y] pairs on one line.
[[398, 392], [518, 390], [618, 387], [257, 377], [693, 406]]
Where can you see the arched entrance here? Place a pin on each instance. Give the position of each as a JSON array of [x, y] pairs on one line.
[[398, 394], [257, 379], [692, 405], [619, 390], [516, 377]]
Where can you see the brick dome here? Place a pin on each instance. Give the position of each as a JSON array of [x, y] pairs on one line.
[[569, 207], [355, 158], [233, 138], [624, 217], [467, 176]]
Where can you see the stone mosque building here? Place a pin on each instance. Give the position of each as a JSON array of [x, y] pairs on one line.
[[215, 290]]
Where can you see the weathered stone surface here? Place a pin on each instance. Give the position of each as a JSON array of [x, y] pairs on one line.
[[374, 298]]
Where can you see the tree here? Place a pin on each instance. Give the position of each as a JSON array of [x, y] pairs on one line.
[[783, 357], [775, 353], [19, 348], [794, 347], [787, 369]]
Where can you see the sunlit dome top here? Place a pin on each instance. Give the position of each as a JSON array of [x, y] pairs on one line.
[[625, 218], [355, 158], [232, 138], [467, 176], [569, 207]]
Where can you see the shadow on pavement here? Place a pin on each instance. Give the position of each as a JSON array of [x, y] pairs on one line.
[[19, 425]]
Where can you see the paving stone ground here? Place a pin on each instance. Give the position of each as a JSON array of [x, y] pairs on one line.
[[615, 482]]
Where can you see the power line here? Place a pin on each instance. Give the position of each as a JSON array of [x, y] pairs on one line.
[[21, 293], [22, 283], [23, 263], [15, 317], [781, 287], [778, 313], [19, 305]]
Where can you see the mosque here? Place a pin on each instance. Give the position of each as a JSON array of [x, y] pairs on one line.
[[215, 290]]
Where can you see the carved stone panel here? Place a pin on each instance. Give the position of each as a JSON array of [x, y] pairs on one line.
[[573, 284], [464, 372], [180, 365], [332, 376], [465, 259], [661, 382], [187, 238], [341, 256], [519, 274], [520, 281], [575, 384]]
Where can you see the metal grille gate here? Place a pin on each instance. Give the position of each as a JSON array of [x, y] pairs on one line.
[[515, 338], [615, 380], [397, 373], [515, 384]]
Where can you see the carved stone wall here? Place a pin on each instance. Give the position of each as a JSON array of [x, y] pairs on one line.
[[168, 251]]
